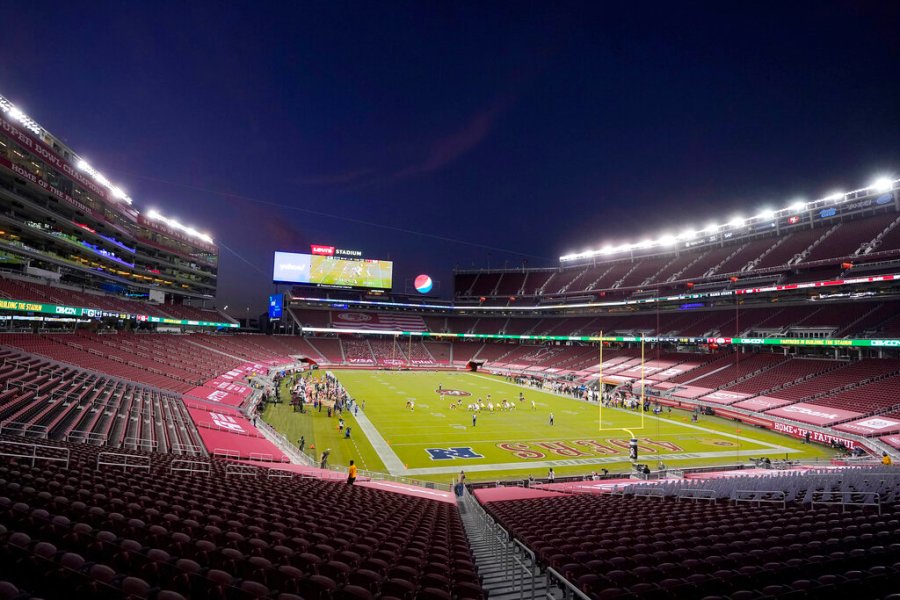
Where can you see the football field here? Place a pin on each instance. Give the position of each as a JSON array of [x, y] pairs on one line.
[[433, 441]]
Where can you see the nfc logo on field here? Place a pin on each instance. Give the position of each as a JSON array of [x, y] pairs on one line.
[[451, 453]]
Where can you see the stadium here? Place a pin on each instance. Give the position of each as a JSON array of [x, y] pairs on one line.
[[713, 378], [562, 301]]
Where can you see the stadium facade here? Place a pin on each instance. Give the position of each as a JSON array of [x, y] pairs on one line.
[[66, 223]]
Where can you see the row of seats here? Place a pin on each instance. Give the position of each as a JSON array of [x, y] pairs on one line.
[[102, 532], [651, 548], [831, 242], [57, 402]]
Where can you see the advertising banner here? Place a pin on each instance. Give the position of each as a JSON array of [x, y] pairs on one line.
[[762, 403], [815, 436], [813, 414], [871, 425], [725, 397]]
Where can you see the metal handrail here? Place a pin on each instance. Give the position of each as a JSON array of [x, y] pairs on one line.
[[845, 499], [760, 497], [126, 461], [567, 585], [190, 466], [34, 455]]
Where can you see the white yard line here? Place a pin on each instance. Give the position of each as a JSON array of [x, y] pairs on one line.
[[390, 459]]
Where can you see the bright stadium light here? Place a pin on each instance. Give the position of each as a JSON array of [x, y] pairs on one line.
[[84, 166], [882, 184], [667, 240], [174, 224], [16, 114]]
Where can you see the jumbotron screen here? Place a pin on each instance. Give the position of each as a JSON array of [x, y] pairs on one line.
[[329, 271]]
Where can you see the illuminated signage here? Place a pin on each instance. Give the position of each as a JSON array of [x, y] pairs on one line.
[[96, 313], [320, 250], [276, 306]]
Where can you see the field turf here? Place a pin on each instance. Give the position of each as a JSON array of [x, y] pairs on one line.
[[434, 442]]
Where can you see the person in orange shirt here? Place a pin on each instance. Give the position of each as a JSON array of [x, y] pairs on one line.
[[351, 473]]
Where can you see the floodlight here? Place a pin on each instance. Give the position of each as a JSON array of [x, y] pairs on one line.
[[798, 206], [882, 184], [767, 214], [667, 240], [736, 222]]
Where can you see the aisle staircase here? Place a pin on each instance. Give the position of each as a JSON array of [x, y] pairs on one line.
[[508, 569]]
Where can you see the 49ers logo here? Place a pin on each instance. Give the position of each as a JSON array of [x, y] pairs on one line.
[[453, 393]]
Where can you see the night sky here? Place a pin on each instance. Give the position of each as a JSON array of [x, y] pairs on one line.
[[442, 134]]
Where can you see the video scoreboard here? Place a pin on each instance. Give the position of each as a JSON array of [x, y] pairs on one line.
[[332, 267]]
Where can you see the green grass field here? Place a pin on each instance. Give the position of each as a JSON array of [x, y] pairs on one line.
[[434, 442]]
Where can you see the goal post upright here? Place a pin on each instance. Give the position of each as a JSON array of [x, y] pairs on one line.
[[629, 431]]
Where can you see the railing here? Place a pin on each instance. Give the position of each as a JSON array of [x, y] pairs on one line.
[[187, 449], [279, 474], [648, 492], [226, 453], [696, 495], [379, 476], [568, 589], [203, 467], [147, 445], [847, 499], [239, 470], [760, 497], [519, 564], [34, 452], [23, 429], [87, 437], [125, 461]]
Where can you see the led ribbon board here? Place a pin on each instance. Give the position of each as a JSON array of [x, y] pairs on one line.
[[722, 341], [96, 313]]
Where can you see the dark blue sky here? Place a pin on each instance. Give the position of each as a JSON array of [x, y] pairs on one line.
[[534, 129]]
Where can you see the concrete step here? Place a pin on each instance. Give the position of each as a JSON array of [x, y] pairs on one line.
[[497, 582]]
